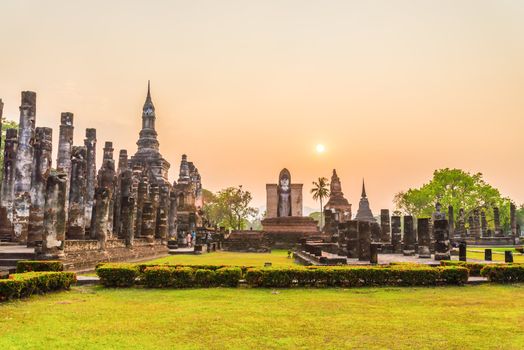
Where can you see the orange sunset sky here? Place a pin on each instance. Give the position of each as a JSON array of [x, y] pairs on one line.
[[393, 89]]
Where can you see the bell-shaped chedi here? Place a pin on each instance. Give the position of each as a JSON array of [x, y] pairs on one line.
[[364, 211], [337, 203]]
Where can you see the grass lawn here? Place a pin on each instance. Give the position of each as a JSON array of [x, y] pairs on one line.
[[276, 257], [471, 317], [498, 254]]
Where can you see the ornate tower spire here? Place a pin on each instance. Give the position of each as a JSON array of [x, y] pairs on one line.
[[363, 189], [148, 135], [364, 212]]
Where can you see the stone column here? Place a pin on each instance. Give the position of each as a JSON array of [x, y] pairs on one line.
[[496, 219], [65, 147], [364, 241], [162, 213], [488, 254], [442, 244], [90, 144], [101, 225], [408, 247], [41, 170], [54, 216], [77, 194], [127, 207], [476, 223], [513, 220], [461, 225], [8, 184], [463, 251], [508, 257], [423, 238], [375, 231], [352, 239], [385, 227], [117, 212], [396, 234], [148, 222], [483, 224], [373, 253], [24, 166], [172, 216], [451, 220], [143, 187], [154, 198]]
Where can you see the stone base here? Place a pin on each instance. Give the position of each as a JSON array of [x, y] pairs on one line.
[[247, 241], [502, 241], [285, 232], [85, 254]]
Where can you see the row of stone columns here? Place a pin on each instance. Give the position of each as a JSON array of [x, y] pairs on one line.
[[74, 202]]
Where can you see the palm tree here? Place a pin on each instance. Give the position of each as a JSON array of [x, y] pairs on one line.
[[320, 191]]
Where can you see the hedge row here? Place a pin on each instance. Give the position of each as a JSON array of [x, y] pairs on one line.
[[186, 277], [474, 268], [39, 265], [499, 273], [356, 276], [178, 276], [26, 284]]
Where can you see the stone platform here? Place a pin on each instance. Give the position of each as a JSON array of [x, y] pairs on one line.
[[285, 232]]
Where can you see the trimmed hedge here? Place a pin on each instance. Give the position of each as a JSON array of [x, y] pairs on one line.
[[186, 277], [26, 284], [356, 276], [474, 268], [499, 273], [39, 265], [117, 275]]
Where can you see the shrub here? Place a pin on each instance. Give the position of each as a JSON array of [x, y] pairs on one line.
[[229, 276], [117, 275], [205, 278], [474, 268], [499, 273], [158, 277], [39, 265], [29, 283], [457, 275], [183, 277]]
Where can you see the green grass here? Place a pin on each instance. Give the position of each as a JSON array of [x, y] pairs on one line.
[[276, 257], [479, 317]]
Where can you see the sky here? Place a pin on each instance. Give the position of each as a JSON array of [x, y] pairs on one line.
[[393, 89]]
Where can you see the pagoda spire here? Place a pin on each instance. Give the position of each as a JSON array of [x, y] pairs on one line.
[[148, 134], [363, 189], [148, 98]]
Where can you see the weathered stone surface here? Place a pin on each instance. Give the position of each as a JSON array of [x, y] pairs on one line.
[[65, 147], [451, 220], [101, 224], [373, 253], [8, 185], [127, 205], [396, 234], [442, 243], [117, 212], [423, 238], [462, 251], [352, 239], [24, 166], [41, 171], [483, 224], [90, 144], [385, 229], [513, 219], [148, 222], [460, 231], [77, 193], [364, 240], [488, 254], [54, 217], [496, 219], [409, 241], [375, 232]]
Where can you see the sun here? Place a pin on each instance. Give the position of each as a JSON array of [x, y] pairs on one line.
[[320, 148]]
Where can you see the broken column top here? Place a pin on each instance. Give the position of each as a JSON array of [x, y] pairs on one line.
[[66, 118], [91, 133], [11, 133], [28, 100], [108, 150]]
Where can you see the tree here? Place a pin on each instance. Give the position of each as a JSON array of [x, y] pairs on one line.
[[230, 208], [457, 188], [6, 124], [320, 191]]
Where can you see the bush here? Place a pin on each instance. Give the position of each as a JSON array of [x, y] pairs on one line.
[[457, 275], [499, 273], [29, 283], [474, 268], [229, 276], [205, 278], [39, 265], [158, 277], [398, 275], [117, 275]]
